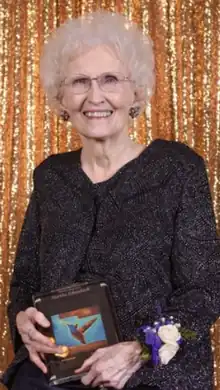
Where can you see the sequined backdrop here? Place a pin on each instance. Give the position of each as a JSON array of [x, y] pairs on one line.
[[186, 105]]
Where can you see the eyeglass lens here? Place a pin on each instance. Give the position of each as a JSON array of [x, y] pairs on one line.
[[109, 82]]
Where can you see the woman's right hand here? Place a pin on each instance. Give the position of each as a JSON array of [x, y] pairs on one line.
[[36, 343]]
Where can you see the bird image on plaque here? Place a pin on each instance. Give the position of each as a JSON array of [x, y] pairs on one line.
[[79, 330]]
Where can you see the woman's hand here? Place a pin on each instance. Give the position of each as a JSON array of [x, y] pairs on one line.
[[35, 342], [111, 366]]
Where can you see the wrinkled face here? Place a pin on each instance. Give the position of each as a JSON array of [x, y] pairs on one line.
[[103, 109]]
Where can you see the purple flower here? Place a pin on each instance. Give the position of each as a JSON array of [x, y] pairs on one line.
[[152, 339]]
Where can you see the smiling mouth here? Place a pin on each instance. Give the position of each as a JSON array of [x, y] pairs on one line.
[[98, 114]]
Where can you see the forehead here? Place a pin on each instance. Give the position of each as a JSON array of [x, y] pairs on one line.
[[95, 61]]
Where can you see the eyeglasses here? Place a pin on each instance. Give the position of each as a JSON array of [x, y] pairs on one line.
[[107, 82]]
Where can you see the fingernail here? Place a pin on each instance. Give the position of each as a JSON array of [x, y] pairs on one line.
[[63, 349], [52, 340]]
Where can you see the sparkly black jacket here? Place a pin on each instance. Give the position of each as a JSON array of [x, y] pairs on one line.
[[151, 235]]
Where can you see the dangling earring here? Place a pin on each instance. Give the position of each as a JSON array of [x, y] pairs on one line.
[[65, 116], [134, 112]]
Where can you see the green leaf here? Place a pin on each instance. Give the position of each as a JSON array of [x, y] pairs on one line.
[[187, 334], [145, 354]]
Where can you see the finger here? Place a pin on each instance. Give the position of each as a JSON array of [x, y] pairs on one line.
[[28, 332], [39, 342], [100, 372], [23, 321], [88, 378], [113, 376], [105, 376], [119, 381], [42, 356], [99, 381], [35, 358], [40, 348], [88, 362], [40, 319], [36, 316], [33, 335]]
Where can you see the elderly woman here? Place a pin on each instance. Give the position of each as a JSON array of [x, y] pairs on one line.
[[138, 217]]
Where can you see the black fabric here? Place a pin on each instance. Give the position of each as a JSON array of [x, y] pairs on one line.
[[151, 236], [30, 377]]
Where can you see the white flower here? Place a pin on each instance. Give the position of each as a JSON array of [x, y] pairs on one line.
[[169, 334], [167, 352]]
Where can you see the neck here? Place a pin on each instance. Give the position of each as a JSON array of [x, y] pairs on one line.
[[101, 159]]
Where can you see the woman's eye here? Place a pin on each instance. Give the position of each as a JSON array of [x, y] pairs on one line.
[[110, 79], [81, 81]]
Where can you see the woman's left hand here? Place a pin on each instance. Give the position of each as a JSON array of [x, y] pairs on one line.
[[111, 366]]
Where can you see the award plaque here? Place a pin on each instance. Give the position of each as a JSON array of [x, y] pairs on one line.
[[82, 319]]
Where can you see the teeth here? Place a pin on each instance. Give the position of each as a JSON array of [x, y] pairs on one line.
[[97, 114]]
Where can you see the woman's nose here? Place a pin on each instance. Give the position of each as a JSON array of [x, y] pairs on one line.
[[95, 94]]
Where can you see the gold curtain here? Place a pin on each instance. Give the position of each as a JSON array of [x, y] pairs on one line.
[[185, 107]]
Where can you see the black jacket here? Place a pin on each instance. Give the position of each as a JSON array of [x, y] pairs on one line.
[[152, 237]]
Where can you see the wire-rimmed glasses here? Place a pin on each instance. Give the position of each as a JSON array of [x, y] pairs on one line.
[[107, 82]]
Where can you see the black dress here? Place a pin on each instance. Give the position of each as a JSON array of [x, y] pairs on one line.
[[149, 232]]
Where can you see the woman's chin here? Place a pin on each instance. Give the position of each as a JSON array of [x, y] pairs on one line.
[[99, 133]]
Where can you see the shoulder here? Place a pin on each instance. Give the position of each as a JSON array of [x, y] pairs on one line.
[[56, 164], [172, 159], [60, 159], [179, 154]]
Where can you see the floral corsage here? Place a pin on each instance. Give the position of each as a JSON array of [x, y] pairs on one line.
[[161, 342]]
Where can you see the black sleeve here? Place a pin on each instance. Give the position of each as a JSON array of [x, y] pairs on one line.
[[25, 279], [194, 302]]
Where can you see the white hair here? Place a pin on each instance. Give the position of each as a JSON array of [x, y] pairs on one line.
[[76, 36]]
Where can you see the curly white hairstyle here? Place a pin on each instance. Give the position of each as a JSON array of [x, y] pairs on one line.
[[76, 36]]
